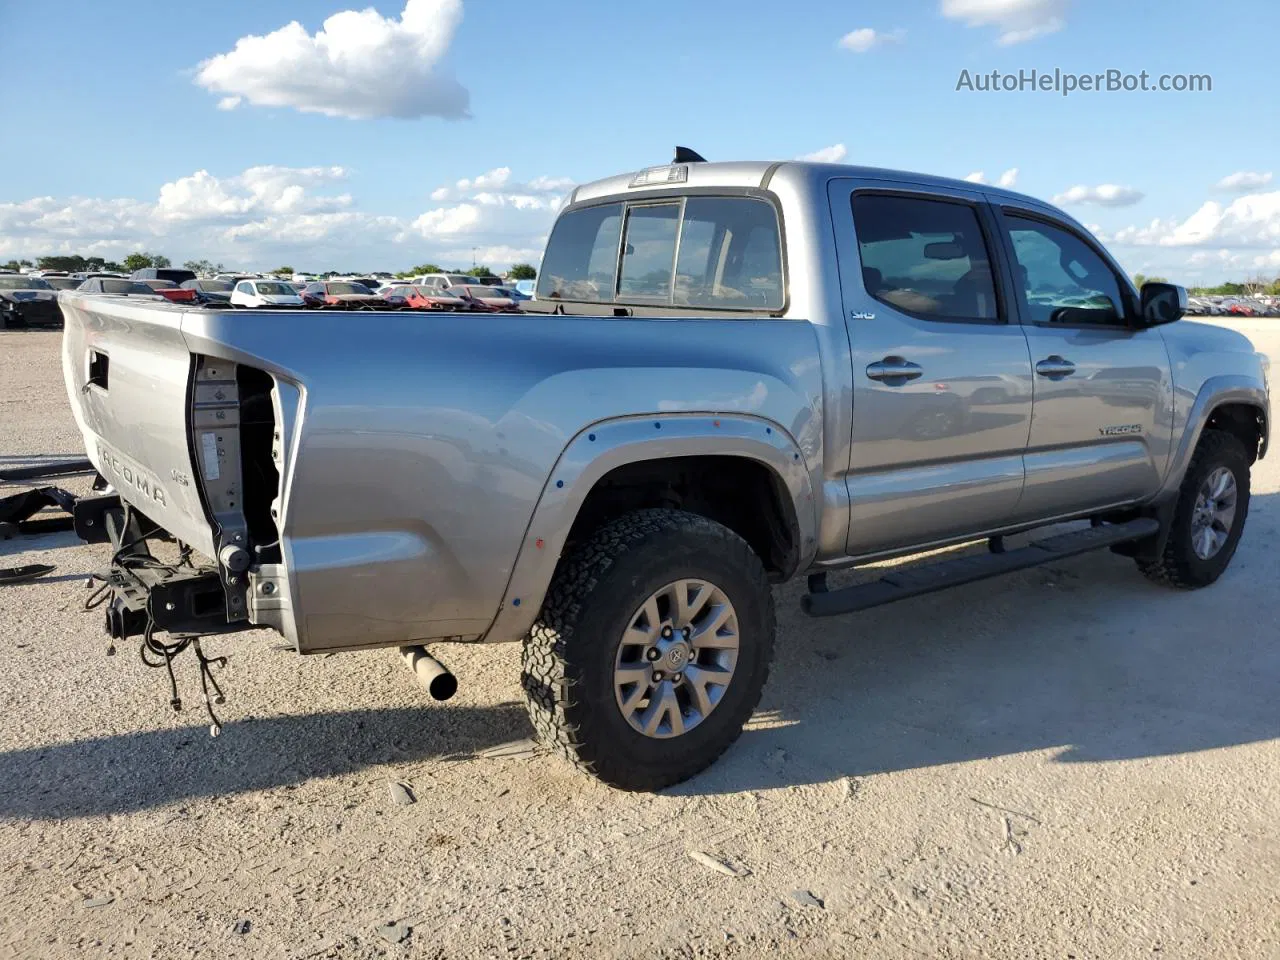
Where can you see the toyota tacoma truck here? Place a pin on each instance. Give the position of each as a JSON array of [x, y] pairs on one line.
[[739, 373]]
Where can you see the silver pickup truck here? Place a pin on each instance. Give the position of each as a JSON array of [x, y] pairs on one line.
[[732, 374]]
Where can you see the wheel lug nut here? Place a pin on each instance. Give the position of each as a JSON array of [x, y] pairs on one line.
[[657, 676], [653, 653], [666, 631], [677, 677], [688, 631]]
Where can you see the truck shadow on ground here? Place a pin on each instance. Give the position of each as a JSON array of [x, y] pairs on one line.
[[1084, 658], [131, 772]]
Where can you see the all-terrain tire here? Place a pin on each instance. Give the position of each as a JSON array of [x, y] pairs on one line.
[[569, 656], [1179, 566]]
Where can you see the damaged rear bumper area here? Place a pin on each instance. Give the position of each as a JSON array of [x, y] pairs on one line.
[[142, 593]]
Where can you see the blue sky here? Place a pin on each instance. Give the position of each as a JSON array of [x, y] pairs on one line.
[[387, 142]]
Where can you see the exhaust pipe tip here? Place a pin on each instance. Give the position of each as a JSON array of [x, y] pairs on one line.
[[432, 675]]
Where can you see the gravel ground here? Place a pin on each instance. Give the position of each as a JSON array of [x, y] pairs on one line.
[[1068, 762]]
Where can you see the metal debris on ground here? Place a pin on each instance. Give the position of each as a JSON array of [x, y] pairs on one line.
[[93, 902], [241, 927], [393, 932], [718, 865], [508, 751], [400, 793], [26, 573]]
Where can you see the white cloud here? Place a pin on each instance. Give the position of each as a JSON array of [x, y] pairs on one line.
[[1246, 181], [865, 38], [264, 189], [1017, 20], [266, 215], [359, 64], [1008, 179], [832, 154], [1104, 195], [1251, 221], [445, 221]]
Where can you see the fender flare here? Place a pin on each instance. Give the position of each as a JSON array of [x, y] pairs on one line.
[[606, 445], [1214, 393]]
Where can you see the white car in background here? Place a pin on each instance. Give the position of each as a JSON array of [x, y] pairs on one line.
[[265, 293]]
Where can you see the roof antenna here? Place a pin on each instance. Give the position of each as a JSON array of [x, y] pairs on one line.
[[685, 155]]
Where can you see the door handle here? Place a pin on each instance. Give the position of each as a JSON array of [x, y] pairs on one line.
[[894, 371], [1055, 367]]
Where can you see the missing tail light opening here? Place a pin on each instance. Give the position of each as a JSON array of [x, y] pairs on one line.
[[99, 366], [261, 478]]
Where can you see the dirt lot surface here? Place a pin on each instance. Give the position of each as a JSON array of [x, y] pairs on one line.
[[1068, 762]]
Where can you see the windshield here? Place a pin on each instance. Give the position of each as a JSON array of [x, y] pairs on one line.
[[348, 289], [274, 289], [212, 286], [23, 283], [125, 286], [160, 284], [64, 283]]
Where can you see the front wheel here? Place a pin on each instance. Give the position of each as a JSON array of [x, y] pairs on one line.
[[1209, 516], [651, 650]]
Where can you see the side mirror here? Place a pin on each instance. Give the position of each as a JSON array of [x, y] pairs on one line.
[[1163, 303]]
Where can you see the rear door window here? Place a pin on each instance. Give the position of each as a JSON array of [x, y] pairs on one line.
[[925, 257], [581, 261]]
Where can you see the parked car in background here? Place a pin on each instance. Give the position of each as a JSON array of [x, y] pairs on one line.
[[176, 274], [27, 302], [91, 274], [482, 298], [171, 291], [210, 291], [428, 298], [119, 286], [63, 282], [442, 280], [265, 293], [513, 293], [526, 287], [330, 293], [490, 281]]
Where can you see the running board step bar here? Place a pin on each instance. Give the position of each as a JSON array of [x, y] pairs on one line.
[[915, 581]]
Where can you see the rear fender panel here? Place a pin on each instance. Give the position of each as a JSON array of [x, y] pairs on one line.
[[603, 447]]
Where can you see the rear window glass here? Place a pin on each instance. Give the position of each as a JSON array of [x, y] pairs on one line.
[[725, 252], [275, 289], [730, 255], [649, 252], [347, 289], [582, 255]]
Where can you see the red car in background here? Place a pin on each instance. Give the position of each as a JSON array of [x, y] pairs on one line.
[[342, 293], [171, 291], [484, 299], [423, 298]]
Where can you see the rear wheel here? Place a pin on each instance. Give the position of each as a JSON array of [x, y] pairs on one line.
[[651, 650], [1209, 517]]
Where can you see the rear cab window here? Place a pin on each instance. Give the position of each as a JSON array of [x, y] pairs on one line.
[[709, 252]]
